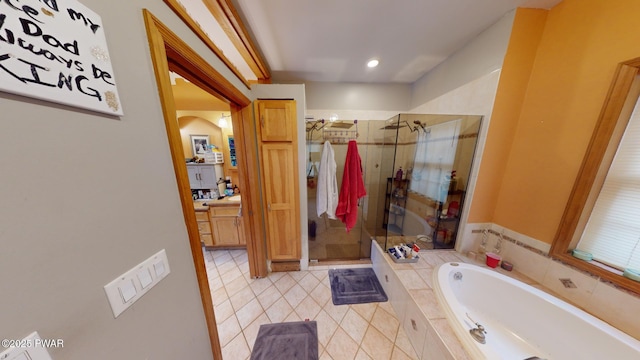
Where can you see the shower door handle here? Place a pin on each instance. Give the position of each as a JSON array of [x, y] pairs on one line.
[[268, 207]]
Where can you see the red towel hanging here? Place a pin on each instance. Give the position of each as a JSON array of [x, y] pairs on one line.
[[352, 187]]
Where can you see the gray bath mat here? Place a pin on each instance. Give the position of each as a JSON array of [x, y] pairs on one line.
[[355, 286], [291, 340]]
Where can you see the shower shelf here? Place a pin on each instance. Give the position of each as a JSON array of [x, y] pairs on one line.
[[394, 207]]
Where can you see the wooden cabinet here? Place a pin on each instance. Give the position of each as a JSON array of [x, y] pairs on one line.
[[277, 140], [204, 227], [277, 120], [226, 223], [202, 176], [282, 203]]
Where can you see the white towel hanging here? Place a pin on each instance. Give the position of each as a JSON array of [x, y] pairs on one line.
[[327, 193]]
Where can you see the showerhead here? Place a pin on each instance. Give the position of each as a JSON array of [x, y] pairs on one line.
[[341, 125], [393, 127], [417, 122]]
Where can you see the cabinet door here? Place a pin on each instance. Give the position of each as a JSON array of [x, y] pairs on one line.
[[240, 224], [225, 230], [208, 177], [281, 193], [194, 176], [277, 120]]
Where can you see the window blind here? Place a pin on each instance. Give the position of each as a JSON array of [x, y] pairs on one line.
[[612, 233], [434, 158]]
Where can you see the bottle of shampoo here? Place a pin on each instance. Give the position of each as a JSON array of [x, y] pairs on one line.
[[399, 174]]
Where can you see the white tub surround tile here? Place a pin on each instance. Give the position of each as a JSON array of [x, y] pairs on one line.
[[530, 258], [584, 284], [616, 307], [407, 291]]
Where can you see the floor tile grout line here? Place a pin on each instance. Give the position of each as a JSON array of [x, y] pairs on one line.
[[318, 275]]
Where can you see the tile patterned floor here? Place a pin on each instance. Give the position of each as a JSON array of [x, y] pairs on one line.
[[345, 332]]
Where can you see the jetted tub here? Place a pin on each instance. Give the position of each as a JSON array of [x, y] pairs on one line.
[[522, 322]]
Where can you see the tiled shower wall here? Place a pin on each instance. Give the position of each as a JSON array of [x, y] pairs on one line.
[[530, 257]]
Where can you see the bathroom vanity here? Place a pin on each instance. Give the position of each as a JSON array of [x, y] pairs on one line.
[[220, 222]]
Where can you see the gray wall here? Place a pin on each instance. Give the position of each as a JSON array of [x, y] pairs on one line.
[[479, 57], [85, 197], [348, 96]]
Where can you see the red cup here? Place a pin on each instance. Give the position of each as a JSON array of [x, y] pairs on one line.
[[493, 260]]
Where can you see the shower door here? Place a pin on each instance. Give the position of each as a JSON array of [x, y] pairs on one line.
[[428, 179], [328, 238]]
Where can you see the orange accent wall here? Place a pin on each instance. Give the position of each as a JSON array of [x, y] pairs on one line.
[[581, 45], [526, 33]]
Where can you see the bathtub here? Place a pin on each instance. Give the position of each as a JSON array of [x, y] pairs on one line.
[[412, 224], [522, 322]]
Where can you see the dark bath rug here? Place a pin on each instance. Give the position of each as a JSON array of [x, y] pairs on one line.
[[291, 340], [355, 286]]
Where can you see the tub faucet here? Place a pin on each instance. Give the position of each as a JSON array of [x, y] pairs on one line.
[[478, 333]]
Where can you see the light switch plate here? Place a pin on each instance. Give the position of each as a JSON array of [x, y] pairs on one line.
[[127, 288], [144, 277], [31, 349]]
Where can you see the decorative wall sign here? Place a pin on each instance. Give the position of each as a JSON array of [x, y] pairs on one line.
[[56, 50]]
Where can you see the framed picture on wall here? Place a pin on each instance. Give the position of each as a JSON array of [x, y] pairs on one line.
[[199, 143]]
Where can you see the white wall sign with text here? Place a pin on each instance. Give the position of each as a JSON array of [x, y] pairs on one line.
[[56, 50]]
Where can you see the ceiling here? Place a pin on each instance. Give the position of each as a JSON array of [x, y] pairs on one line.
[[188, 96], [331, 40]]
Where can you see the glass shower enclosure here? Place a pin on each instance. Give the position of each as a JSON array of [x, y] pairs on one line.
[[416, 170]]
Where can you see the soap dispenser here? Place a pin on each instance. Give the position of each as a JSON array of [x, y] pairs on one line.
[[222, 186]]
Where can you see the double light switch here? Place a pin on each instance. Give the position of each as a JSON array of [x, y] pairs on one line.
[[130, 286]]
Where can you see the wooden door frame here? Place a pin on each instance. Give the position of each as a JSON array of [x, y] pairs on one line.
[[169, 52]]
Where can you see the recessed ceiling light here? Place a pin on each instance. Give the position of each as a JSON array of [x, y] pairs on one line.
[[373, 63]]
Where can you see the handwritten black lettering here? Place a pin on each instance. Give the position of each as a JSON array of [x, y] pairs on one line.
[[14, 67], [92, 92], [45, 53], [10, 39], [52, 4], [4, 57], [74, 15], [33, 71], [68, 80], [31, 12], [11, 5], [32, 29], [100, 74], [64, 80]]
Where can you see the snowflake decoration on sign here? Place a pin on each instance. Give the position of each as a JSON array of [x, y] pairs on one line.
[[100, 54]]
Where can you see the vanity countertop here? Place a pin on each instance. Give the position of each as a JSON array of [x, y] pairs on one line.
[[203, 205]]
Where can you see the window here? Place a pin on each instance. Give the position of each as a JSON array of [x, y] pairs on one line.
[[434, 158], [612, 232], [603, 212]]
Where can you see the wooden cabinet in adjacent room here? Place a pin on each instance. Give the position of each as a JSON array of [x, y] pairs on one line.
[[204, 227], [277, 137], [226, 223]]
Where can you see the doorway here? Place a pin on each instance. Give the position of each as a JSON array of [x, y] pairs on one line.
[[170, 53]]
